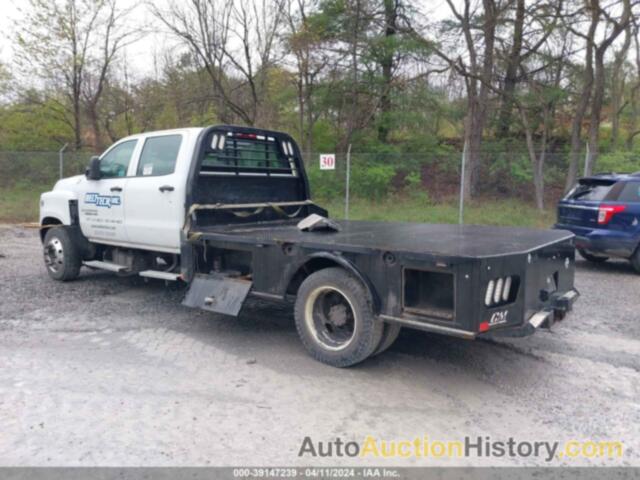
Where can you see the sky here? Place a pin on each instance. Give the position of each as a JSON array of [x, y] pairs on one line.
[[141, 53]]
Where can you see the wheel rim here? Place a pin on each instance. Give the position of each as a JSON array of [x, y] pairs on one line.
[[54, 255], [331, 318]]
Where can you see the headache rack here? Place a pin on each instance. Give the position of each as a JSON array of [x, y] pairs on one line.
[[234, 153]]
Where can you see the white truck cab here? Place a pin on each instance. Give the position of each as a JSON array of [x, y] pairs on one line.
[[139, 198]]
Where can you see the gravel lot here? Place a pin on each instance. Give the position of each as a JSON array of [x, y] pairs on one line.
[[112, 371]]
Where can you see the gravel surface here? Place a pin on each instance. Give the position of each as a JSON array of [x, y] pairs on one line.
[[114, 371]]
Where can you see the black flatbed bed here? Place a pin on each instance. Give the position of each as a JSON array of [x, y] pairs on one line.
[[241, 238], [462, 241]]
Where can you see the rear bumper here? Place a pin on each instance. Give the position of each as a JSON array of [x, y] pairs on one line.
[[596, 240], [560, 306], [542, 282]]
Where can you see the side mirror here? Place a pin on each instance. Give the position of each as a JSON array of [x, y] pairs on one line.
[[93, 170]]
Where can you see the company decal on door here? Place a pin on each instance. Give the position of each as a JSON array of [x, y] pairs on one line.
[[98, 200]]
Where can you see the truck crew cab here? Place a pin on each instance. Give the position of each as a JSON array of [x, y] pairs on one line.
[[228, 211]]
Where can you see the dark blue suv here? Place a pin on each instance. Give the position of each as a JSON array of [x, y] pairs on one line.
[[604, 213]]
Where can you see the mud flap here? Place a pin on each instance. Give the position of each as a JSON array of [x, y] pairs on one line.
[[217, 293]]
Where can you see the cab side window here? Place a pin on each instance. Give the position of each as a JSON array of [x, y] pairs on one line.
[[115, 162], [159, 155]]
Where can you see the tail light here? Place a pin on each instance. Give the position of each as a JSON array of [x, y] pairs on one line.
[[606, 213], [501, 291]]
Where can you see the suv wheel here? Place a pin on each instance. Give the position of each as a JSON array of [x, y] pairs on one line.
[[592, 258], [62, 256], [335, 319], [635, 260]]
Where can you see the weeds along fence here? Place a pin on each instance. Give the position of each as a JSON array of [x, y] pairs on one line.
[[433, 176]]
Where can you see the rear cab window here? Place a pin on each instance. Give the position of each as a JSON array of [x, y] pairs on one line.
[[590, 190], [247, 154]]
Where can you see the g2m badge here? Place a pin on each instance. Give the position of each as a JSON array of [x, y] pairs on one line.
[[498, 318], [102, 200]]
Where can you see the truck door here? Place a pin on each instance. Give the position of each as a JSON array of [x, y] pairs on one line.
[[101, 202], [154, 211]]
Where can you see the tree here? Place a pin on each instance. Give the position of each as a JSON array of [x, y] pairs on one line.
[[476, 66], [584, 94], [304, 40], [544, 95], [618, 83], [388, 63], [634, 95], [57, 41], [112, 35], [5, 82], [617, 27], [532, 28], [235, 43]]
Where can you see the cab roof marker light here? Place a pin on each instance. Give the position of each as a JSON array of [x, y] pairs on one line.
[[498, 292], [250, 136], [489, 295], [507, 289]]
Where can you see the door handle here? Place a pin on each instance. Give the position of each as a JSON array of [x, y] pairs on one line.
[[116, 189], [166, 188]]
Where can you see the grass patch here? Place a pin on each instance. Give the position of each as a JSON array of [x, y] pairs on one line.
[[508, 212], [20, 203]]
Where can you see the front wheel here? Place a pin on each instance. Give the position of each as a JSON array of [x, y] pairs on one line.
[[62, 256], [335, 319], [592, 258]]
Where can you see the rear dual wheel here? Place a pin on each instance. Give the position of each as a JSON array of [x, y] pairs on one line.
[[335, 319]]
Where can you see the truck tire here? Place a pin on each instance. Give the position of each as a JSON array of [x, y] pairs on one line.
[[62, 256], [335, 319], [592, 258], [389, 336]]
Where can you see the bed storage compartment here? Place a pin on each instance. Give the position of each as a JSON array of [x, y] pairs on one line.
[[428, 293]]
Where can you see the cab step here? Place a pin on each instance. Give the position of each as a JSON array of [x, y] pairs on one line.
[[160, 275], [112, 267]]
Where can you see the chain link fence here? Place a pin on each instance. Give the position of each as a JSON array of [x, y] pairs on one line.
[[377, 180], [431, 177], [39, 168]]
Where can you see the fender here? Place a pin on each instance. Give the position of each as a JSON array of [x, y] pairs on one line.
[[347, 265], [57, 204]]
